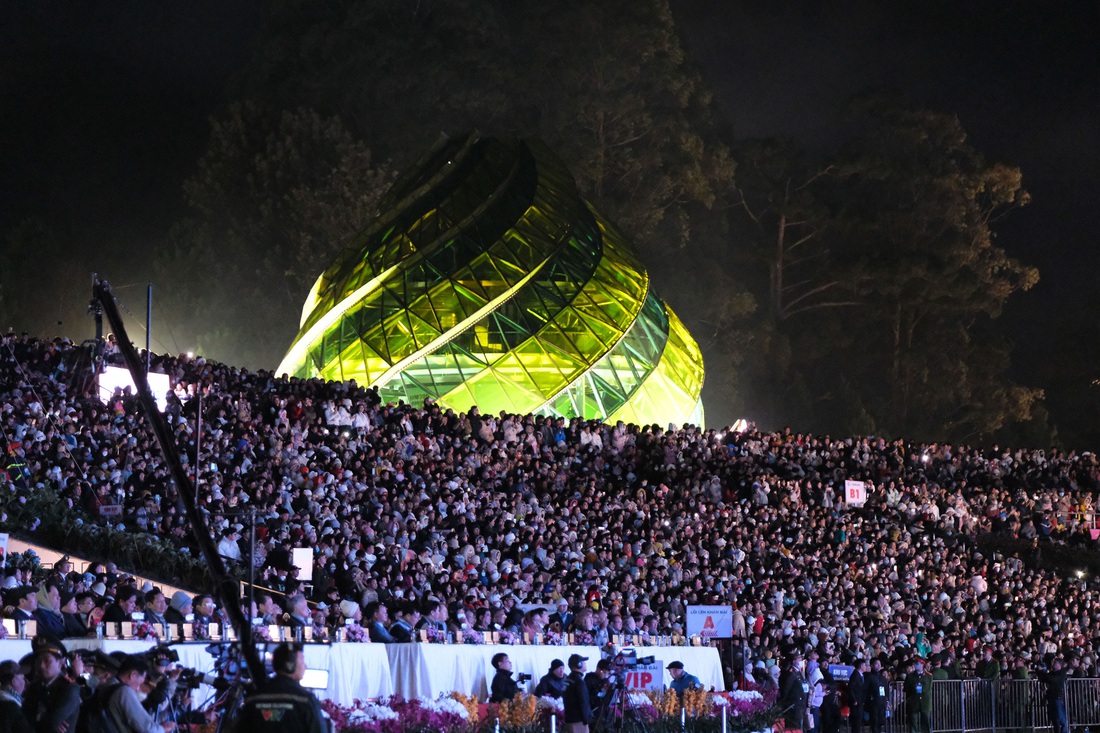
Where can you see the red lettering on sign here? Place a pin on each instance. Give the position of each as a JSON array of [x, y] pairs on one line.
[[709, 623]]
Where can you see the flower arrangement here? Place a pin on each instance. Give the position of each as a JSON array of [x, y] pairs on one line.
[[554, 638], [3, 632], [519, 712], [743, 703], [445, 715], [200, 631], [652, 712], [146, 631], [582, 638], [436, 636], [473, 637], [261, 633], [508, 637], [470, 703], [356, 634], [320, 632]]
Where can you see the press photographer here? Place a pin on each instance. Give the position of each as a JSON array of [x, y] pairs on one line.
[[121, 702], [503, 686]]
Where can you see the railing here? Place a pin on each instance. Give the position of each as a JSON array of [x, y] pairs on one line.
[[1008, 706]]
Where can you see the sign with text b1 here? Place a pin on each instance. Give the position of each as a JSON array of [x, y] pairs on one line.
[[646, 676], [855, 493], [714, 622]]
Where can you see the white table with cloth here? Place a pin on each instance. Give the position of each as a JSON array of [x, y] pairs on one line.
[[364, 671]]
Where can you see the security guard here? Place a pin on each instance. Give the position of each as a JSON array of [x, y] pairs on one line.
[[282, 705]]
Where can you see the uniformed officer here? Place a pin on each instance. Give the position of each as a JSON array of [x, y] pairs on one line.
[[794, 692], [282, 705], [878, 690], [918, 698]]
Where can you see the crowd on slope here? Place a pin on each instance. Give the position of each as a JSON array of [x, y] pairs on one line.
[[418, 515]]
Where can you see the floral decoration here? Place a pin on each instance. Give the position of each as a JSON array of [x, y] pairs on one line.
[[146, 631]]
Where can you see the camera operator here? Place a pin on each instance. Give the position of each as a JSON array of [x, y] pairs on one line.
[[52, 701], [123, 701], [503, 686], [578, 710], [599, 684], [553, 682], [281, 704]]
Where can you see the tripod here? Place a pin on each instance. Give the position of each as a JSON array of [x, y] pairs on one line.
[[618, 705]]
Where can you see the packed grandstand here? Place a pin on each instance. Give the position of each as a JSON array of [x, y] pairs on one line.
[[461, 521]]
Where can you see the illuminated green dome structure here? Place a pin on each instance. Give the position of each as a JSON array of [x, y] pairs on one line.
[[487, 280]]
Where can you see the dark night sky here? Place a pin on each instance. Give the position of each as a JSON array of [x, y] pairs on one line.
[[104, 104]]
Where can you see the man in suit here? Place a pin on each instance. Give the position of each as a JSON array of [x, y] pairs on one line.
[[857, 694], [25, 602], [378, 616], [402, 630], [123, 608]]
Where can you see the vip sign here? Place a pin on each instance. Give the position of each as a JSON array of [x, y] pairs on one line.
[[646, 676], [715, 622], [855, 493]]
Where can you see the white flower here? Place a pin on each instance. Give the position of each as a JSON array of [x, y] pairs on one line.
[[445, 705], [746, 695], [638, 699], [553, 703], [371, 712]]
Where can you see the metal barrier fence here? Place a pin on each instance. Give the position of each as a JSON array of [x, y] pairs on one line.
[[1011, 706]]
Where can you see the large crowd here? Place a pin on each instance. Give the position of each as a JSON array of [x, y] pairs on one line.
[[421, 517]]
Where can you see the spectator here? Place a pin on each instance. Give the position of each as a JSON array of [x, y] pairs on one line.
[[299, 616], [378, 616], [25, 599], [123, 608], [156, 605], [179, 608], [12, 685], [1054, 680]]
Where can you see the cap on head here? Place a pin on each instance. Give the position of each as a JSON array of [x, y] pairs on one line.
[[46, 645], [675, 665], [576, 660]]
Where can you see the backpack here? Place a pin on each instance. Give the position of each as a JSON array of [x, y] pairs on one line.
[[94, 717]]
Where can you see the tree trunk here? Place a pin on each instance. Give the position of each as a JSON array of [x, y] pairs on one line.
[[777, 268]]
